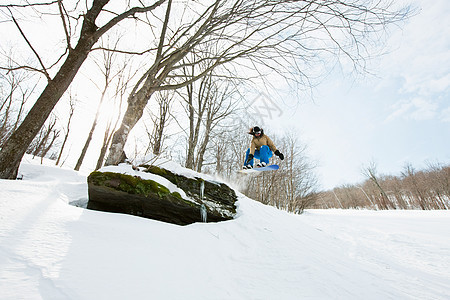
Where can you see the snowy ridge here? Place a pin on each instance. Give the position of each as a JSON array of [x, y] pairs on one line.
[[52, 250]]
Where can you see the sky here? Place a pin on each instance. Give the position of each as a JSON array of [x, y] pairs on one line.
[[398, 115]]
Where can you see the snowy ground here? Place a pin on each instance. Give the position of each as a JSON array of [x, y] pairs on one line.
[[52, 250]]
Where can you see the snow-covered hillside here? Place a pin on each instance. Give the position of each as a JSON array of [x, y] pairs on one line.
[[52, 250]]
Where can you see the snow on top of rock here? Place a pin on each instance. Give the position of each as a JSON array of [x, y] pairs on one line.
[[128, 170], [175, 168]]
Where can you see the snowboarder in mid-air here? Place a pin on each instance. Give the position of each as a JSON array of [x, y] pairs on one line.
[[261, 148]]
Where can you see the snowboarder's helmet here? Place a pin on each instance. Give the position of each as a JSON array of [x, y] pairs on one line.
[[256, 130]]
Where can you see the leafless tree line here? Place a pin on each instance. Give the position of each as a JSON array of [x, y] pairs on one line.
[[15, 92], [78, 45], [14, 95], [425, 189], [206, 103], [262, 37]]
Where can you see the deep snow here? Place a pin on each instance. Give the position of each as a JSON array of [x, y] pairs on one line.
[[52, 250]]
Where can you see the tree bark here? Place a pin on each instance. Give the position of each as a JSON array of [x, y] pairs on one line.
[[106, 139], [202, 149], [16, 146], [86, 144], [135, 109], [160, 124], [66, 136]]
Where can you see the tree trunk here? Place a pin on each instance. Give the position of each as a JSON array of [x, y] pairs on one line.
[[72, 108], [135, 109], [41, 143], [91, 133], [160, 124], [204, 145], [50, 145], [63, 146], [106, 139], [16, 146], [159, 135], [191, 139], [86, 145]]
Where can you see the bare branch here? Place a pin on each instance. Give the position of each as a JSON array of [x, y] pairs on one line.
[[63, 13], [44, 71], [124, 51], [28, 4], [131, 12]]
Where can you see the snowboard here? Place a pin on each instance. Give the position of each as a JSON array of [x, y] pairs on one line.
[[262, 169]]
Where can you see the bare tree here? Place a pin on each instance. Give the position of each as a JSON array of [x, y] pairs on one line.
[[72, 100], [15, 91], [371, 173], [299, 184], [45, 140], [121, 86], [106, 140], [220, 105], [70, 62], [439, 178], [195, 111], [281, 37], [229, 149], [410, 176], [160, 121], [207, 102], [106, 66]]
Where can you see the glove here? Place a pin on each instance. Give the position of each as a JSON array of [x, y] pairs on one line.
[[279, 154], [250, 157]]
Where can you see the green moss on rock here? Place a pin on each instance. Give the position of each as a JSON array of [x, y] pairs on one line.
[[218, 193], [156, 170], [177, 195], [129, 184], [116, 192]]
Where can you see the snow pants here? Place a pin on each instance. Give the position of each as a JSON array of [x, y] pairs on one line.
[[263, 154]]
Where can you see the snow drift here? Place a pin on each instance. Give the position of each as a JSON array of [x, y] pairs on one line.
[[52, 250]]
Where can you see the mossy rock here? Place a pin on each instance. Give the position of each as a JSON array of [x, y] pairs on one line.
[[213, 191], [121, 193], [127, 183]]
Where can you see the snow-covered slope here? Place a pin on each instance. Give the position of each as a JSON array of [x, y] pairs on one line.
[[52, 250]]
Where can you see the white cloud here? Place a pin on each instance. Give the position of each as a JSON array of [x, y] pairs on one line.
[[422, 51], [423, 109], [419, 67], [445, 115], [414, 109]]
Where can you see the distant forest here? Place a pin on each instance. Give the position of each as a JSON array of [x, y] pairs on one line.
[[425, 189]]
